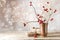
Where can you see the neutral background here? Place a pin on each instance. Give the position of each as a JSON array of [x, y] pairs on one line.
[[13, 13]]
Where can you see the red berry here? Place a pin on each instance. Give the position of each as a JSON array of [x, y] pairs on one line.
[[46, 9], [40, 16], [44, 20], [24, 24], [55, 11], [43, 6], [30, 3], [51, 19], [40, 21], [50, 9], [37, 14], [47, 2]]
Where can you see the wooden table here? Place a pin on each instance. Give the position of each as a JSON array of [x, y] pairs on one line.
[[23, 36]]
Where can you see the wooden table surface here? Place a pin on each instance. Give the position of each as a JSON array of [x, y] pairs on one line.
[[23, 35]]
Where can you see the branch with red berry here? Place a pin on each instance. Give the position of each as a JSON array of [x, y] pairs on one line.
[[41, 19], [47, 10]]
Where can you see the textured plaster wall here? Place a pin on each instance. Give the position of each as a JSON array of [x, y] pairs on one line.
[[13, 13]]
